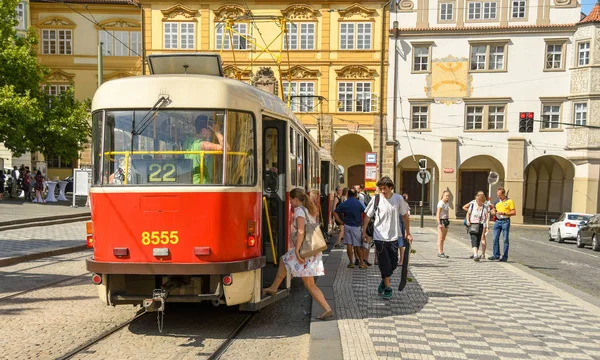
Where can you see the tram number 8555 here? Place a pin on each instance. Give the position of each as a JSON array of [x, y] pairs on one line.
[[160, 237]]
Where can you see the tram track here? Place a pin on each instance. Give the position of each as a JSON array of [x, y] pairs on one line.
[[231, 338], [4, 298], [47, 264]]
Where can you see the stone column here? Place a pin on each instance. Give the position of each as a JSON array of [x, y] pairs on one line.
[[327, 133], [448, 180], [586, 195], [513, 181]]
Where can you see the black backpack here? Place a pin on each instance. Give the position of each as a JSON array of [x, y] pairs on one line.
[[371, 225]]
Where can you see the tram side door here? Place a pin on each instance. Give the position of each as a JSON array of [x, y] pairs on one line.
[[274, 190]]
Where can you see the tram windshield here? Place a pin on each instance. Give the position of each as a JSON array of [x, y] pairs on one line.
[[173, 147]]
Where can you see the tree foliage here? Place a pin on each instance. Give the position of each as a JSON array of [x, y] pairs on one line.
[[30, 120]]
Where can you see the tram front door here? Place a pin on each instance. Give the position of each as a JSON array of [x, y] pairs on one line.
[[274, 191]]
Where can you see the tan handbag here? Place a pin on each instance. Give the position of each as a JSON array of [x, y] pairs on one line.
[[314, 242]]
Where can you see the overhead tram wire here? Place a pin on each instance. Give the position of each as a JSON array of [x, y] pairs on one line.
[[93, 22]]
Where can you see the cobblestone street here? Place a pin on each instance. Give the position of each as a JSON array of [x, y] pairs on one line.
[[458, 308]]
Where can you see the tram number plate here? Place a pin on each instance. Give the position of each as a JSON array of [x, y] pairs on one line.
[[160, 237]]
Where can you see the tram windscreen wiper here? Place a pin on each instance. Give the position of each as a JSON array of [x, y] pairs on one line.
[[146, 120]]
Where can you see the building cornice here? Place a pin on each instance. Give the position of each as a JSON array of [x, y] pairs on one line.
[[483, 30]]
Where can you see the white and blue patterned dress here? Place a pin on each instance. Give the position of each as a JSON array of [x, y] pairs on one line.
[[313, 266]]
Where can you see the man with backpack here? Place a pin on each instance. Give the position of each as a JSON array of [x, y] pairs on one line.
[[387, 230]]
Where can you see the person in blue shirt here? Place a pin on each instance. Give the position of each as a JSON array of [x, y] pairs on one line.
[[352, 210]]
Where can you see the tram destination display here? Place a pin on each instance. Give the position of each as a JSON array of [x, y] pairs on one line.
[[162, 171]]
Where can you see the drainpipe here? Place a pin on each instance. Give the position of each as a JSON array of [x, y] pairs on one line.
[[382, 96], [143, 42], [395, 107]]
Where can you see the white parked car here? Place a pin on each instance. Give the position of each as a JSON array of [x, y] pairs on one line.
[[566, 226]]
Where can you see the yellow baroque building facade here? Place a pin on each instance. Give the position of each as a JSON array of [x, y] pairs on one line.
[[69, 33], [327, 59]]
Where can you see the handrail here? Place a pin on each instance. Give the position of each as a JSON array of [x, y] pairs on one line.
[[171, 152], [273, 250]]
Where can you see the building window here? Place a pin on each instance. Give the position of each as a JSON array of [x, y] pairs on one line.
[[446, 11], [474, 118], [488, 57], [298, 91], [519, 8], [305, 32], [55, 90], [482, 10], [583, 53], [550, 116], [355, 36], [21, 16], [349, 101], [57, 42], [419, 117], [554, 56], [121, 43], [496, 117], [56, 162], [581, 114], [179, 35], [239, 42], [420, 58]]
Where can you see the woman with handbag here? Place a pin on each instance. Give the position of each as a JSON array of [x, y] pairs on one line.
[[305, 216], [477, 219]]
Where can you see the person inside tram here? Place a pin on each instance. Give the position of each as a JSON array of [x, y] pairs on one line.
[[202, 142]]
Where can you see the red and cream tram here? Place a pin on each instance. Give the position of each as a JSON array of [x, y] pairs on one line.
[[191, 180]]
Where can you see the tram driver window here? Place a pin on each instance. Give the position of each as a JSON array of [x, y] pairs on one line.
[[178, 147]]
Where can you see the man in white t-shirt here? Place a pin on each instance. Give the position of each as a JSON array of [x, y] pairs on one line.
[[387, 230]]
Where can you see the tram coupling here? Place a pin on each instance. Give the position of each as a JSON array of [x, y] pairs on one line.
[[159, 296]]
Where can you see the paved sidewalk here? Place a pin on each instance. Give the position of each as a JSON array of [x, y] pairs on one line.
[[15, 209], [461, 309]]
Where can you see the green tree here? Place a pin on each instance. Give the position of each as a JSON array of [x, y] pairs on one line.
[[29, 119]]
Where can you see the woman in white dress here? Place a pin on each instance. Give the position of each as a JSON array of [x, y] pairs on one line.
[[292, 262]]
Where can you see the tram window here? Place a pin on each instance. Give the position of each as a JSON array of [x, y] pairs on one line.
[[175, 147], [96, 146], [293, 160], [240, 164], [300, 165]]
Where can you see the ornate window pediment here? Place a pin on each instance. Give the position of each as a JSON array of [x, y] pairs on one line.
[[355, 72], [299, 72], [300, 12], [230, 11], [179, 12], [357, 10], [231, 71], [119, 24], [56, 21], [116, 75], [60, 77]]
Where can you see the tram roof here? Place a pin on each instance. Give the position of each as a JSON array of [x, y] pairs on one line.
[[188, 91]]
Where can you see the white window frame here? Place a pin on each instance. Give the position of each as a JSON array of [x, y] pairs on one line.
[[356, 35], [518, 9], [307, 35], [356, 96], [421, 59], [474, 117], [239, 42], [130, 45], [419, 117], [291, 36], [21, 15], [48, 41], [488, 9], [55, 89], [301, 88], [583, 53], [496, 115], [580, 113], [474, 10], [492, 58], [550, 116], [482, 10], [446, 11], [184, 36], [554, 57], [346, 96]]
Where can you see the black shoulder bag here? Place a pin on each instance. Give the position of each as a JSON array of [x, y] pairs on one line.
[[371, 225]]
